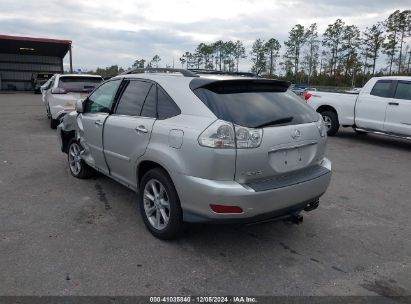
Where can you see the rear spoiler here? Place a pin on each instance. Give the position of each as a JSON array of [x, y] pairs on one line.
[[240, 85]]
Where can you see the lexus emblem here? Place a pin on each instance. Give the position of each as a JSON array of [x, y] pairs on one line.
[[296, 134]]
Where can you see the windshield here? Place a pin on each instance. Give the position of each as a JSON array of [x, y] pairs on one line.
[[255, 105], [79, 84], [41, 76]]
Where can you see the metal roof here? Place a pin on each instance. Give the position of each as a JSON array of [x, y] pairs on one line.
[[34, 46]]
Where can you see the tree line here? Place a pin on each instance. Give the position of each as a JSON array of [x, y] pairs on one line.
[[114, 70], [342, 55]]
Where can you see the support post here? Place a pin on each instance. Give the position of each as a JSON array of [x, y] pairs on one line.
[[71, 59]]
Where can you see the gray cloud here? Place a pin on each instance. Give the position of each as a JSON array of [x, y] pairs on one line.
[[104, 35]]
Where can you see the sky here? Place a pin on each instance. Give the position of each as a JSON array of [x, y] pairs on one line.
[[105, 33]]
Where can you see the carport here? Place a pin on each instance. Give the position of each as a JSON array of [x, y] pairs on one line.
[[21, 57]]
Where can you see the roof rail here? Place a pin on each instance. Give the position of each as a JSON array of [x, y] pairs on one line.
[[183, 72], [214, 72]]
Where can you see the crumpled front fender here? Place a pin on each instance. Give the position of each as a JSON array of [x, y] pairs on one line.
[[72, 122]]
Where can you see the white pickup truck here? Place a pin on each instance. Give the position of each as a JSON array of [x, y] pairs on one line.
[[383, 106]]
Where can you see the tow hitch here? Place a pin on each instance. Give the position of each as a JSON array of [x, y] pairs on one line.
[[296, 218], [311, 206]]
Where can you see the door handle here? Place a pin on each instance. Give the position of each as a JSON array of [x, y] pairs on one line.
[[98, 123], [393, 103], [141, 129]]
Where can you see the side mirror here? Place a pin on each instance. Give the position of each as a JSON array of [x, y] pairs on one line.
[[79, 106]]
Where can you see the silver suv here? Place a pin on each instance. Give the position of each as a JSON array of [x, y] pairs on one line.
[[201, 149]]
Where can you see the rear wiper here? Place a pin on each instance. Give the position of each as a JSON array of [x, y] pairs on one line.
[[276, 122]]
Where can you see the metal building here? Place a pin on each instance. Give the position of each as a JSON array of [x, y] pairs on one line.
[[22, 57]]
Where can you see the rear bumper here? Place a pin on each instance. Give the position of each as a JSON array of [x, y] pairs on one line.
[[280, 214], [61, 104], [57, 112], [196, 195]]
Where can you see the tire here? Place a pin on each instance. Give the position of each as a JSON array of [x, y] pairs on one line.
[[78, 168], [331, 122], [156, 205], [54, 123]]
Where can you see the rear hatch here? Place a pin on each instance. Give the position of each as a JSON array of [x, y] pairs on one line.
[[78, 86], [291, 139]]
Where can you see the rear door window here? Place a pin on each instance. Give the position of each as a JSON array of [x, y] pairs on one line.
[[255, 105], [132, 99], [79, 84], [149, 108], [382, 88], [166, 107], [403, 90]]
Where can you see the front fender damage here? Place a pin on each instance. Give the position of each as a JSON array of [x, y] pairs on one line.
[[72, 127]]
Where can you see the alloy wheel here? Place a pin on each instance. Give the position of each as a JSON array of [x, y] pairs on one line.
[[327, 122], [75, 158], [156, 204]]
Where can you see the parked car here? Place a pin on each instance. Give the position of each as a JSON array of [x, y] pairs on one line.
[[201, 149], [298, 89], [306, 90], [61, 94], [382, 106], [38, 79]]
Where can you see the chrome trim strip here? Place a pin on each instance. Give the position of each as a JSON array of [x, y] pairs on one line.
[[383, 133], [293, 146]]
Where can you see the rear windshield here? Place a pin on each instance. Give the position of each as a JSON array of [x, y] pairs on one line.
[[79, 84], [255, 105]]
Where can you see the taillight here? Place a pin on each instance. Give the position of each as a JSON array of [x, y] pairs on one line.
[[58, 91], [307, 96], [225, 209], [225, 135], [219, 135], [247, 137]]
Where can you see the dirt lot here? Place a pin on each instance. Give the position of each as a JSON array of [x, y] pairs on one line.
[[63, 236]]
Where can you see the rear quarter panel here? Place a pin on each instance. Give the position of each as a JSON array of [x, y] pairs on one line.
[[191, 158]]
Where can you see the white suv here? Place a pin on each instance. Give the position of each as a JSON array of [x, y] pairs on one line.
[[62, 92]]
